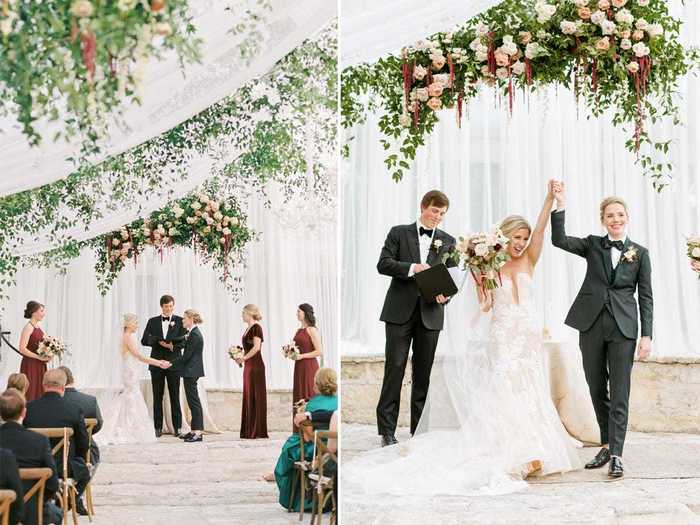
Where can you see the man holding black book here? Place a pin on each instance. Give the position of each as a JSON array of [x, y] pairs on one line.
[[165, 335], [408, 316]]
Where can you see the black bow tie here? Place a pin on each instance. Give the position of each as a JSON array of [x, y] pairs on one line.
[[164, 319], [607, 244], [423, 231]]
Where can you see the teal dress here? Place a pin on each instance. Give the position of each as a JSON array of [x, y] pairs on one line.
[[291, 452]]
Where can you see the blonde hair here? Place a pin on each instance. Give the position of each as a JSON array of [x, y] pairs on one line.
[[129, 320], [326, 381], [513, 223], [253, 311], [611, 200], [18, 381], [55, 378], [194, 315]]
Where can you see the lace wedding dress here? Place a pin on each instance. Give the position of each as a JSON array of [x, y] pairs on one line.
[[488, 415], [127, 419]]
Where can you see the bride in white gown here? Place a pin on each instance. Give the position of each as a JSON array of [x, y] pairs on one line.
[[126, 416], [489, 421]]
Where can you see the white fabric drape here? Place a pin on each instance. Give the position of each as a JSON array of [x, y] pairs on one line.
[[169, 97], [284, 269], [371, 29], [498, 165]]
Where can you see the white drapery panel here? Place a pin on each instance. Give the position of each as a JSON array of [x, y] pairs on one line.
[[371, 29], [498, 165], [168, 97], [284, 269]]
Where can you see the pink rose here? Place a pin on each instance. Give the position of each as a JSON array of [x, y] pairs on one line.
[[435, 89], [625, 33], [633, 67], [584, 13], [435, 103], [422, 94], [502, 73], [638, 35], [502, 59], [619, 3], [525, 36], [419, 72], [603, 44], [604, 5], [438, 62]]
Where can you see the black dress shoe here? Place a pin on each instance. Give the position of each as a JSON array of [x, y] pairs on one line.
[[159, 432], [600, 460], [80, 508], [194, 438], [185, 436], [615, 469], [388, 439]]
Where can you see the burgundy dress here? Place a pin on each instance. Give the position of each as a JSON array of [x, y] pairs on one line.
[[304, 369], [254, 410], [33, 368]]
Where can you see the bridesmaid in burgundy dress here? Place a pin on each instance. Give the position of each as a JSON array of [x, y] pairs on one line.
[[254, 410], [308, 341], [33, 365]]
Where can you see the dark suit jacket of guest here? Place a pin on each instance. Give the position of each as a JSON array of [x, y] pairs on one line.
[[90, 409], [191, 363], [9, 480]]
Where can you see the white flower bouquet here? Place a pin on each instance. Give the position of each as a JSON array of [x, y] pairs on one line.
[[483, 254]]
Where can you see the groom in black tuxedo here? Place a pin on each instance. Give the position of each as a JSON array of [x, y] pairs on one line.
[[408, 318], [605, 314], [165, 335]]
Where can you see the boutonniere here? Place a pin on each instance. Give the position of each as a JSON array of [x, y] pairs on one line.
[[631, 254], [172, 323], [437, 244]]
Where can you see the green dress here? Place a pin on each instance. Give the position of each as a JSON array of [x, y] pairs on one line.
[[284, 471]]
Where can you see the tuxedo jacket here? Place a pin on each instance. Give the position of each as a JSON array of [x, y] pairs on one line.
[[9, 480], [191, 362], [53, 411], [90, 409], [153, 333], [599, 288], [401, 250]]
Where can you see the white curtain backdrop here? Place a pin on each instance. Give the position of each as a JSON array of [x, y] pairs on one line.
[[372, 29], [497, 165], [169, 97], [284, 269]]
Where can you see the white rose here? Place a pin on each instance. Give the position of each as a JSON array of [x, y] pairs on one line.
[[226, 231], [695, 252], [544, 11], [542, 35], [481, 250], [422, 94], [643, 3], [126, 5], [482, 29], [626, 44], [419, 72], [633, 67], [163, 29], [6, 23], [147, 232], [641, 24], [234, 221], [474, 44], [502, 73], [518, 68], [421, 45], [568, 28], [222, 241], [442, 78], [172, 231], [190, 220], [196, 205], [218, 216], [640, 49], [482, 56], [206, 229], [581, 3], [655, 30], [510, 47], [532, 50], [597, 17], [81, 9], [405, 120], [624, 16], [608, 27], [115, 242]]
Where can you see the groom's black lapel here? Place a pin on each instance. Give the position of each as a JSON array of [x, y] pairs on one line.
[[621, 263], [607, 260], [432, 250], [413, 245], [159, 327]]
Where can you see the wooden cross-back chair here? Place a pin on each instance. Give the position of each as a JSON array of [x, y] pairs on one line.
[[40, 476], [90, 424], [67, 490], [322, 485], [301, 471], [7, 497]]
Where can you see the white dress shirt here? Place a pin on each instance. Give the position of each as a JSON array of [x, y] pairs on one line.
[[165, 325], [615, 254], [424, 243]]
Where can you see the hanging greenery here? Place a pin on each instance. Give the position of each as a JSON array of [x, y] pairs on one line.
[[619, 55]]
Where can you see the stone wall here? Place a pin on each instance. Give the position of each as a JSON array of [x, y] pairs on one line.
[[664, 397]]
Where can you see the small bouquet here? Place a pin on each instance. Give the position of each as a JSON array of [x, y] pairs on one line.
[[51, 347], [483, 254], [236, 352], [693, 244], [291, 352]]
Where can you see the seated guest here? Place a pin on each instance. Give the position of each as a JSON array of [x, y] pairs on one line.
[[52, 411], [9, 480], [31, 450], [20, 382], [325, 387], [90, 409]]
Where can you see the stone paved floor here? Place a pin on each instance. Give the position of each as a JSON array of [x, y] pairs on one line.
[[174, 483], [661, 486]]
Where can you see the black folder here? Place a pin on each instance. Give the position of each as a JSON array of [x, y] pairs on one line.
[[435, 281]]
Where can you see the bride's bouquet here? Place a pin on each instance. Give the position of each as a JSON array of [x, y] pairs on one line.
[[51, 347], [693, 245], [236, 352], [483, 254], [291, 352]]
